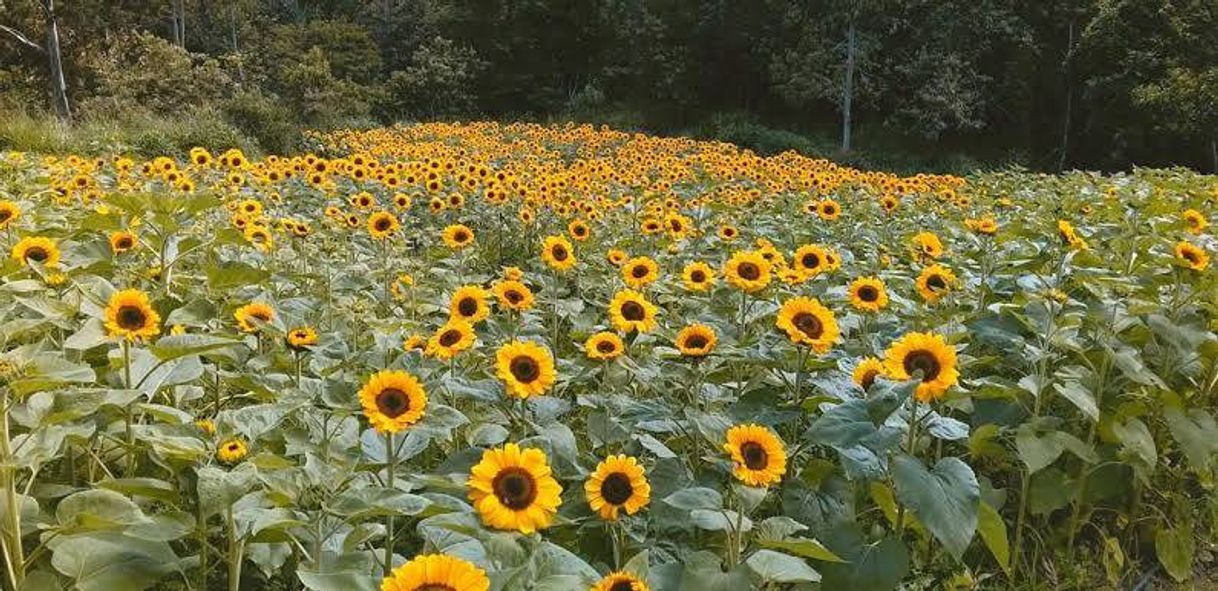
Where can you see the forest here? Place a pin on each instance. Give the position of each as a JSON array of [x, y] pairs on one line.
[[1088, 84]]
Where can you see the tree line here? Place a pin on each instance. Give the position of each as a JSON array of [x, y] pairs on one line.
[[1050, 85]]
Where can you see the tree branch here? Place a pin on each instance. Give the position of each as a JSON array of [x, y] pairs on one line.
[[22, 38]]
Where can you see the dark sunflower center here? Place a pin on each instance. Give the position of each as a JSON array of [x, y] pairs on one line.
[[515, 488], [233, 448], [5, 215], [923, 361], [460, 236], [755, 457], [622, 585], [606, 347], [616, 488], [36, 254], [697, 276], [450, 337], [131, 317], [808, 324], [696, 342], [638, 272], [749, 271], [513, 297], [869, 379], [260, 315], [633, 311], [382, 224], [810, 261], [559, 253], [392, 402], [433, 587], [1190, 256], [525, 369], [936, 282], [467, 306], [868, 293]]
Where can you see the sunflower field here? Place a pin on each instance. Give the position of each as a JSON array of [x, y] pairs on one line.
[[463, 357]]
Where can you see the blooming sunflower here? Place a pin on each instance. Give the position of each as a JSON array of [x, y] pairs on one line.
[[469, 304], [382, 225], [728, 233], [1192, 256], [698, 276], [9, 212], [393, 400], [513, 489], [927, 353], [122, 241], [806, 321], [618, 484], [639, 272], [1070, 236], [130, 315], [457, 236], [232, 450], [620, 581], [454, 337], [810, 260], [696, 340], [1193, 219], [867, 294], [616, 257], [760, 458], [747, 271], [556, 252], [526, 368], [934, 282], [630, 311], [867, 370], [514, 295], [436, 572], [578, 230], [301, 337], [604, 346], [828, 210], [36, 249], [927, 245], [251, 316]]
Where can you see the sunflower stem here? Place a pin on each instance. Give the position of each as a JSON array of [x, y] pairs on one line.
[[127, 417], [391, 461], [910, 441], [235, 549], [14, 554]]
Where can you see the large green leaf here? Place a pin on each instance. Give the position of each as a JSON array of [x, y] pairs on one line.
[[945, 498], [776, 567], [1175, 546]]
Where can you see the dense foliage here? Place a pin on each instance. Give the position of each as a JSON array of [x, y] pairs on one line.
[[1078, 83], [484, 356]]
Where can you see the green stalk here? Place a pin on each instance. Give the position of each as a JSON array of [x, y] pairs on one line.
[[14, 553], [127, 416], [392, 461], [235, 551]]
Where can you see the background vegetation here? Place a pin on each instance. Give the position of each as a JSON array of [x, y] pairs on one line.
[[1048, 85]]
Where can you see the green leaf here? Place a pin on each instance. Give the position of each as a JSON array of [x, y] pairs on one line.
[[804, 547], [1196, 432], [1174, 547], [993, 532], [1080, 396], [781, 568], [945, 498], [175, 346], [1137, 446], [151, 488], [230, 274], [98, 509], [108, 560], [695, 498]]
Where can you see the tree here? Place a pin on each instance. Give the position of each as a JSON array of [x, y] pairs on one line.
[[54, 56]]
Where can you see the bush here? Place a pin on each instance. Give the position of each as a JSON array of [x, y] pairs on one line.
[[142, 71], [438, 82], [267, 122]]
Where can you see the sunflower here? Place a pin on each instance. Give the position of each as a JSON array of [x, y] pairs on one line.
[[927, 353], [130, 315], [207, 426], [630, 311], [811, 260], [9, 212], [579, 230], [889, 203], [1193, 219], [639, 272], [865, 373], [728, 233], [454, 337], [122, 241], [934, 282], [616, 257], [747, 271], [251, 316], [513, 489], [232, 450], [393, 400], [758, 454], [556, 252], [457, 236], [436, 572], [260, 237], [382, 225], [36, 249], [513, 274], [1070, 236], [513, 295], [828, 210], [698, 276], [926, 245], [301, 337], [526, 368], [620, 581], [696, 340], [469, 304], [415, 342], [985, 225], [604, 346], [867, 294], [806, 321], [618, 484], [1192, 256]]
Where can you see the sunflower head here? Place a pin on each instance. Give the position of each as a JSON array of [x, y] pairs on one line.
[[1194, 220], [122, 241], [454, 337], [514, 295], [556, 251], [867, 370], [252, 316], [728, 233], [457, 236], [469, 304], [806, 321], [130, 315], [934, 282], [696, 340], [618, 484], [868, 294], [526, 368], [620, 581], [1191, 256], [759, 456], [436, 572], [513, 489], [302, 337], [382, 225], [630, 311], [579, 230], [748, 271], [616, 257], [811, 260], [9, 212], [232, 450], [36, 249], [604, 346], [926, 355], [639, 272], [698, 276], [392, 400]]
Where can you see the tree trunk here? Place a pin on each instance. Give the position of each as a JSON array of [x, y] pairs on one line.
[[59, 86], [848, 86], [1061, 162], [179, 22], [1214, 153]]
